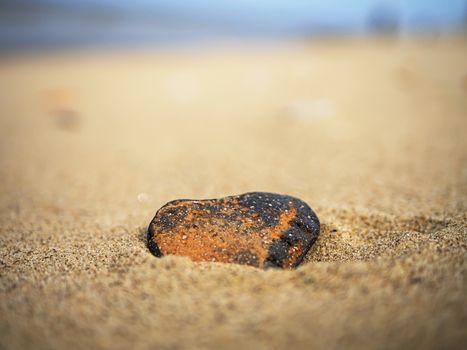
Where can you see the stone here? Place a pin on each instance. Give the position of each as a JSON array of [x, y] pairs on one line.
[[258, 229]]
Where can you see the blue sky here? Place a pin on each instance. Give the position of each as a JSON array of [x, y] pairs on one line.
[[299, 11], [25, 23]]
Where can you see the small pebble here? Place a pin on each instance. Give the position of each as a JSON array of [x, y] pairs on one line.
[[258, 229]]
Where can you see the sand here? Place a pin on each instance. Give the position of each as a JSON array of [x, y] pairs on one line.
[[370, 133]]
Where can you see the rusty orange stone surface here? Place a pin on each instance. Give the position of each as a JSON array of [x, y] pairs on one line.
[[258, 229]]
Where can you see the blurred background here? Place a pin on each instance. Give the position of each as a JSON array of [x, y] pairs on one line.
[[160, 89]]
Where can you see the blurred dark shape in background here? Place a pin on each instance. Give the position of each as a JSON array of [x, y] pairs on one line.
[[62, 104], [384, 19]]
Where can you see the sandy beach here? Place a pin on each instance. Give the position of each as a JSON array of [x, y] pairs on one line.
[[370, 133]]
